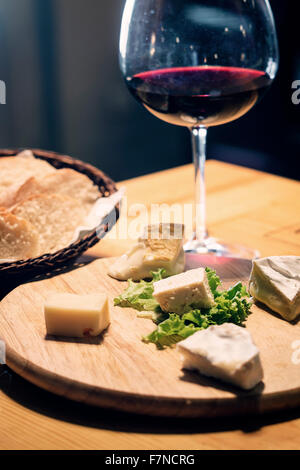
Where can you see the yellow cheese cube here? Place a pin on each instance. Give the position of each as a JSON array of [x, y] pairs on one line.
[[76, 315]]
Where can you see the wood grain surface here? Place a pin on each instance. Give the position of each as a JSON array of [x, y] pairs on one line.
[[246, 206], [119, 371]]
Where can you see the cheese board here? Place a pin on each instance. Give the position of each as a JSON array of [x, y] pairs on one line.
[[119, 371]]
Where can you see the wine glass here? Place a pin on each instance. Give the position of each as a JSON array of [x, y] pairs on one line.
[[199, 63]]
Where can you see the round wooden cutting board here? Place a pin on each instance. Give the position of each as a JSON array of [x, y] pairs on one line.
[[117, 370]]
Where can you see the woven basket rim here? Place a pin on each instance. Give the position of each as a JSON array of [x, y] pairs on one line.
[[106, 186]]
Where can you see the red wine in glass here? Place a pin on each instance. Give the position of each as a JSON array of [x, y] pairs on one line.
[[205, 95], [198, 64]]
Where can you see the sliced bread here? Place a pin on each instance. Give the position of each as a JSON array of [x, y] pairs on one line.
[[18, 238], [14, 171], [55, 218], [66, 181]]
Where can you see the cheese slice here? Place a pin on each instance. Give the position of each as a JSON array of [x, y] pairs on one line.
[[226, 352], [275, 281], [76, 315], [159, 247], [179, 293]]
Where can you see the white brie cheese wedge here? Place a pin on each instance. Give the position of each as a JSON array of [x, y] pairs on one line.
[[225, 352], [275, 281], [159, 247], [179, 293]]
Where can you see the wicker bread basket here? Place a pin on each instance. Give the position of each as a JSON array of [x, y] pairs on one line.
[[63, 257]]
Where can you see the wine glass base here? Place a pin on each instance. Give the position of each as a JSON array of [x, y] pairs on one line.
[[213, 246]]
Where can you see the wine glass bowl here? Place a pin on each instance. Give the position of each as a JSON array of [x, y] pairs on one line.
[[199, 63], [199, 95]]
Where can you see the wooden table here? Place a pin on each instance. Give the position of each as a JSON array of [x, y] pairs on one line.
[[244, 206]]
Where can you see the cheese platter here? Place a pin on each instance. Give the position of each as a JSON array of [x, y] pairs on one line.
[[119, 370]]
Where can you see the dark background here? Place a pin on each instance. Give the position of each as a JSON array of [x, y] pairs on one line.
[[59, 60]]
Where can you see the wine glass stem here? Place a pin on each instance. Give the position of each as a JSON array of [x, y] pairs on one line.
[[199, 155]]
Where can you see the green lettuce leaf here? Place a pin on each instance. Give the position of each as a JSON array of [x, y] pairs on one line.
[[231, 306], [170, 331], [139, 295], [213, 281]]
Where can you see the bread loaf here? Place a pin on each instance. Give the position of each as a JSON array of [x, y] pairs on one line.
[[66, 181], [54, 217], [18, 238], [14, 171]]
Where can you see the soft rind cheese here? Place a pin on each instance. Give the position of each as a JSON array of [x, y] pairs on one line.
[[225, 352], [275, 281], [159, 247], [179, 293], [76, 315]]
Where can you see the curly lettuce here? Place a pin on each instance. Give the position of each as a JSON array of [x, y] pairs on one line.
[[231, 306], [139, 295]]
